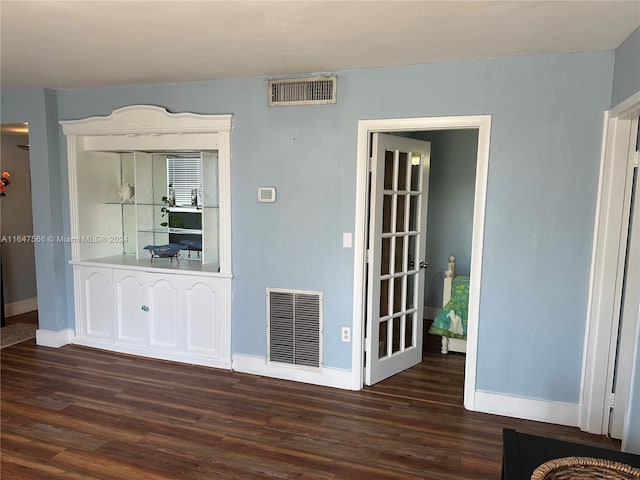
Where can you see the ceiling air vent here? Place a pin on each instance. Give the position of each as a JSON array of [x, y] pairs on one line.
[[302, 91]]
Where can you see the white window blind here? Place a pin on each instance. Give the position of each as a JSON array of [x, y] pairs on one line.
[[185, 174]]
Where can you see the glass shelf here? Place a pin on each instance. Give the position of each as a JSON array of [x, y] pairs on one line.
[[181, 231], [174, 209], [185, 230]]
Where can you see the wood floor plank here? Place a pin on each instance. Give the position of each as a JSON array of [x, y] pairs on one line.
[[15, 467], [99, 466], [79, 413]]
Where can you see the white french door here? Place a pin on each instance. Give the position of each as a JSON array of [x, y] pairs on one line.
[[629, 317], [396, 253]]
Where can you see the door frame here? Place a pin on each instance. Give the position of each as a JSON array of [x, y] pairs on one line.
[[365, 127], [605, 283]]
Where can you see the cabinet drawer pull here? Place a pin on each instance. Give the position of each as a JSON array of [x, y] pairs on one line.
[[145, 308]]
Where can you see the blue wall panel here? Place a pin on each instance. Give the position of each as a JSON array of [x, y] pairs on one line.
[[626, 70], [543, 168]]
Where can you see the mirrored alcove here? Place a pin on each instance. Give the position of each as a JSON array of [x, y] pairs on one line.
[[149, 192]]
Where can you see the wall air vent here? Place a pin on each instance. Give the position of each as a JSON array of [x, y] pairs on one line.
[[302, 91], [294, 327]]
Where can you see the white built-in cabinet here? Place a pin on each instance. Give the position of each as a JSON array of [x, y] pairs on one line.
[[174, 308]]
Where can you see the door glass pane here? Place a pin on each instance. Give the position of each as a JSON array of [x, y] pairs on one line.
[[399, 255], [402, 171], [400, 213], [397, 294], [386, 257], [410, 291], [383, 340], [415, 171], [396, 343], [388, 170], [412, 253], [409, 337], [384, 298], [387, 204], [413, 213]]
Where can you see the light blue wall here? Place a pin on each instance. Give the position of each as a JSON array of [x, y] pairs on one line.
[[543, 170], [308, 154], [39, 108], [626, 70], [545, 146]]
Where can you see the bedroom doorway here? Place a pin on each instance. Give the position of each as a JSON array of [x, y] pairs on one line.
[[362, 345]]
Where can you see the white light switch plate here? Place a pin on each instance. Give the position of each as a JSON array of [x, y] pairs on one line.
[[347, 241]]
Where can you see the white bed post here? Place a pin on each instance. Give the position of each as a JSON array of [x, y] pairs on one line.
[[445, 345], [448, 278], [446, 296]]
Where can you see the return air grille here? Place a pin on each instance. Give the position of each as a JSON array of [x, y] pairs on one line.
[[302, 91], [295, 327]]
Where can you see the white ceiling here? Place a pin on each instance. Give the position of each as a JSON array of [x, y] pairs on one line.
[[74, 44]]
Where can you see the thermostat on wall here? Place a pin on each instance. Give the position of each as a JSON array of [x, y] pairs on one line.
[[266, 194]]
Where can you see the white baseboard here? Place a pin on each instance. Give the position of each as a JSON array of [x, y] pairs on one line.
[[328, 377], [50, 338], [20, 307], [149, 352], [560, 413]]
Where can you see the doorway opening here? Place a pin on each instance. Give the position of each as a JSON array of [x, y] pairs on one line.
[[364, 349], [610, 314], [17, 257]]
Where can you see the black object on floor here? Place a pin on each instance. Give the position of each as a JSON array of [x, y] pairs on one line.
[[523, 453]]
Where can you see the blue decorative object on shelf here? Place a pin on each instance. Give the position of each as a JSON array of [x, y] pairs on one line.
[[192, 245], [171, 250]]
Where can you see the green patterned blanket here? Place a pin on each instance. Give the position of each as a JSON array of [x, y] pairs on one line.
[[452, 319]]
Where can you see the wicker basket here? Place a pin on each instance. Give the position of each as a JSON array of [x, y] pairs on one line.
[[585, 468]]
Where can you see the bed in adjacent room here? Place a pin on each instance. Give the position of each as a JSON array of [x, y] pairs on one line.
[[451, 321]]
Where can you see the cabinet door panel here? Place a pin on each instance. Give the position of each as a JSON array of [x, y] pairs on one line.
[[98, 302], [202, 314], [130, 298], [164, 309]]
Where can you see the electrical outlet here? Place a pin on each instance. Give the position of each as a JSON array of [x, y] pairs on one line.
[[346, 334]]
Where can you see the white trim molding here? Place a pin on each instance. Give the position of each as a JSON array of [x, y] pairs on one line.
[[22, 306], [55, 339], [328, 377], [149, 352], [560, 413], [482, 123], [147, 120], [605, 284]]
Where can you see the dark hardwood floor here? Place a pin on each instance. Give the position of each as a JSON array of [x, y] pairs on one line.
[[76, 412], [438, 379], [29, 317]]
